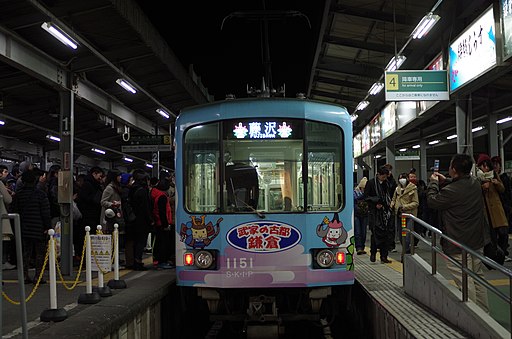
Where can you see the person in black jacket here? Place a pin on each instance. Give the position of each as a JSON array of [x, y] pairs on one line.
[[378, 196], [89, 204], [34, 209], [139, 196]]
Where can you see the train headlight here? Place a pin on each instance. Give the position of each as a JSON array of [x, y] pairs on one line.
[[204, 259], [188, 259], [325, 258]]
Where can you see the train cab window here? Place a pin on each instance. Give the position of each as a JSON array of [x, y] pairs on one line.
[[262, 159], [325, 177], [201, 161]]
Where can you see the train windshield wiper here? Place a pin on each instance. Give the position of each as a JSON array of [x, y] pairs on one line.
[[260, 214]]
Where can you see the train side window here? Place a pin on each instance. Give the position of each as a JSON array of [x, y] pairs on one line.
[[201, 161], [325, 177]]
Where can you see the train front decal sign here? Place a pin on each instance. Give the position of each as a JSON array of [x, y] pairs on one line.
[[263, 236], [332, 232], [197, 233]]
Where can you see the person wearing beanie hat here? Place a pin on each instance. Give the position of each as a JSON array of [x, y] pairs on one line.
[[24, 166], [492, 188], [125, 179], [481, 158]]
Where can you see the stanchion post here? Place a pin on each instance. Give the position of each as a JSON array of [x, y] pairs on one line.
[[53, 313], [116, 283], [89, 297], [103, 290]]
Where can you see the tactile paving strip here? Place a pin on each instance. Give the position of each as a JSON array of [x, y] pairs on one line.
[[385, 285]]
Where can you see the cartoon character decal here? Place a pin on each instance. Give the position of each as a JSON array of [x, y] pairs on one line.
[[197, 234], [331, 231]]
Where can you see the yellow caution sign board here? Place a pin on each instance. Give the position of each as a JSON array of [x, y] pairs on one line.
[[101, 252]]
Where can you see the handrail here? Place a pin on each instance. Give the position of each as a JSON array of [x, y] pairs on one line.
[[463, 266]]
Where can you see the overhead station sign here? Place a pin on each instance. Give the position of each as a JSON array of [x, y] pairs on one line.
[[418, 85]]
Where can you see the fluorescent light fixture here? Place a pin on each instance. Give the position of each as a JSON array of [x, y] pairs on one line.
[[59, 34], [163, 113], [97, 150], [416, 146], [354, 117], [53, 138], [433, 142], [124, 84], [149, 165], [478, 128], [127, 159], [2, 122], [501, 121], [402, 149], [424, 26], [362, 105], [395, 63], [450, 137], [376, 88], [378, 156]]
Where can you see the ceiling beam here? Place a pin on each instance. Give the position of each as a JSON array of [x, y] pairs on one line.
[[372, 14], [388, 49], [337, 96], [348, 67], [342, 83]]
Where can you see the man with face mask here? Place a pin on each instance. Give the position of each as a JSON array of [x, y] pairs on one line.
[[405, 200]]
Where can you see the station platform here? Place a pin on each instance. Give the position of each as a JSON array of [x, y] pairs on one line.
[[144, 288], [384, 283]]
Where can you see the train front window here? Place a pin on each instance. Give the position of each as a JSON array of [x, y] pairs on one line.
[[262, 159], [201, 168], [325, 184], [262, 166]]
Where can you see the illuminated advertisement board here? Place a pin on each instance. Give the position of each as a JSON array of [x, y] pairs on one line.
[[473, 52], [357, 145], [435, 65], [375, 131], [388, 120], [506, 24], [365, 139], [406, 112]]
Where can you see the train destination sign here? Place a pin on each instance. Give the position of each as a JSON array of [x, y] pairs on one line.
[[263, 130], [425, 85]]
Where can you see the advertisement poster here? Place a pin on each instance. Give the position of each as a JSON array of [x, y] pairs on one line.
[[375, 131], [365, 139], [357, 145], [388, 120], [506, 20]]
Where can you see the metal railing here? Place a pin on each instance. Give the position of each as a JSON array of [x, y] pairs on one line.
[[19, 264], [437, 235]]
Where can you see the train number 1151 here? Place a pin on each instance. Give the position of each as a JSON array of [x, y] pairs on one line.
[[232, 263]]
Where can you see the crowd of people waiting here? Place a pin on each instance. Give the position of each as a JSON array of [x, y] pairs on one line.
[[141, 206], [471, 204]]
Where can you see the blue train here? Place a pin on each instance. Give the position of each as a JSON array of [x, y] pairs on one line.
[[264, 209]]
